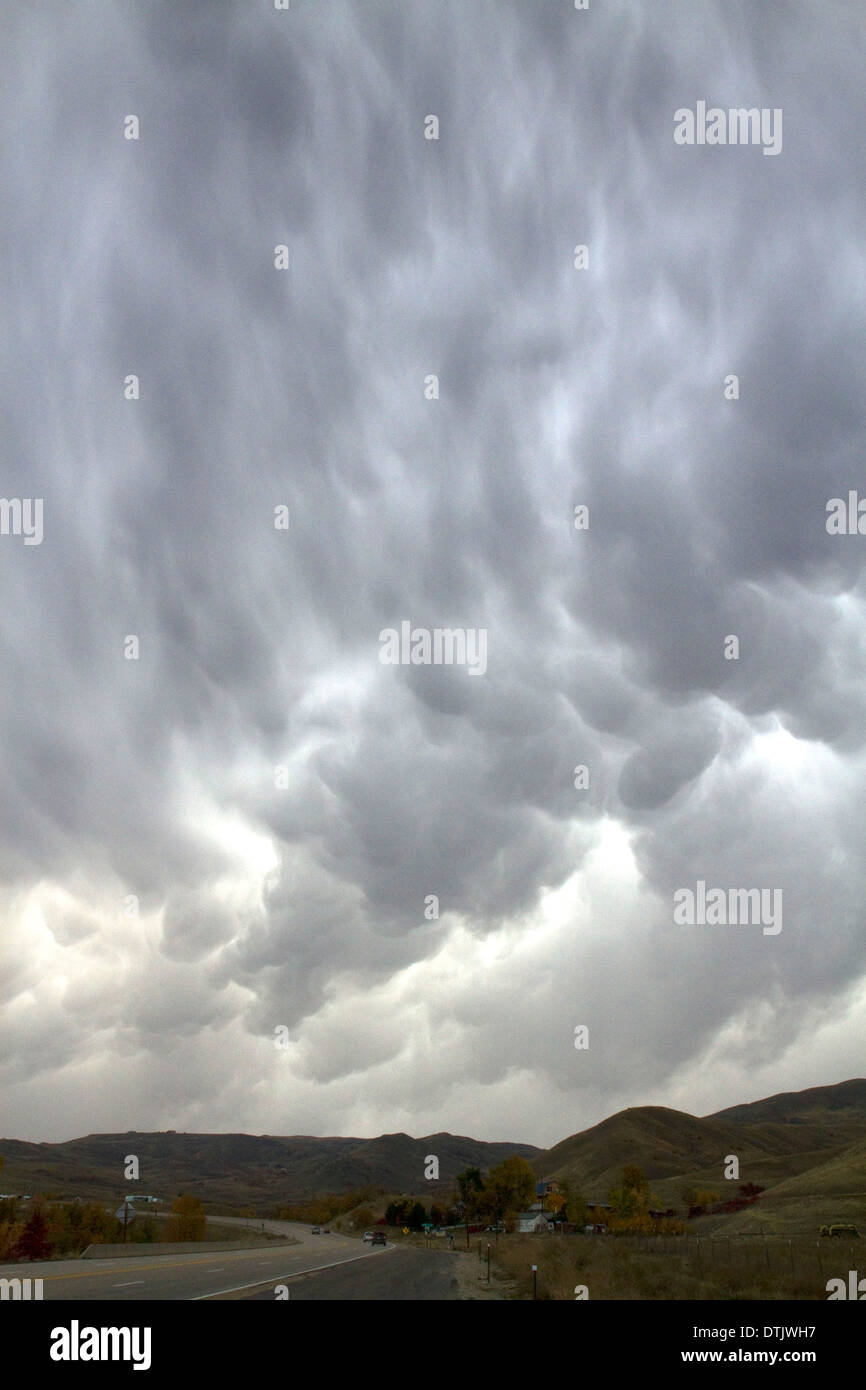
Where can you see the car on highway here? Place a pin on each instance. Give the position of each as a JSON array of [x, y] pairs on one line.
[[368, 1235], [379, 1238], [326, 1231], [315, 1231]]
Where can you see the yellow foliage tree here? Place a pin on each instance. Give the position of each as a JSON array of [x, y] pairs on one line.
[[188, 1221]]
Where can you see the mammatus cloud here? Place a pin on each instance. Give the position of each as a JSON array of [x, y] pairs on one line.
[[287, 372]]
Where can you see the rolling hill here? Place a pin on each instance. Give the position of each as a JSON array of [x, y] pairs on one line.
[[806, 1148], [841, 1105], [243, 1170]]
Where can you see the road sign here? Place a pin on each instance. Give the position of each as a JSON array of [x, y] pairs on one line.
[[126, 1210], [405, 1230]]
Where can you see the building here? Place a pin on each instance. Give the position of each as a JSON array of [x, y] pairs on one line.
[[532, 1223]]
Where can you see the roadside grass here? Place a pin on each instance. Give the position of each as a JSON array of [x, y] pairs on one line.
[[676, 1269]]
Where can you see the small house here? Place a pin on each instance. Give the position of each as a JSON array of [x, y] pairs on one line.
[[531, 1223]]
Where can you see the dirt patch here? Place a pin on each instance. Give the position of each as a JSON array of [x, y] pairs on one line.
[[471, 1276]]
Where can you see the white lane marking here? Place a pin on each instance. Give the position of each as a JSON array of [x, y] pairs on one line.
[[129, 1283], [294, 1274]]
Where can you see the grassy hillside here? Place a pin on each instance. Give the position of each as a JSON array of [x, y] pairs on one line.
[[833, 1189], [665, 1143], [243, 1170], [836, 1107], [806, 1148]]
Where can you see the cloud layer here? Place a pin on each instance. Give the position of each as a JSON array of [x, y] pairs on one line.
[[276, 803]]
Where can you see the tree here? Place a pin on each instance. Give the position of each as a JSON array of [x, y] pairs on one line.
[[631, 1201], [575, 1203], [510, 1187], [624, 1201], [10, 1234], [33, 1243], [416, 1215], [188, 1221], [471, 1185], [634, 1179], [144, 1232], [395, 1212], [705, 1198], [556, 1203]]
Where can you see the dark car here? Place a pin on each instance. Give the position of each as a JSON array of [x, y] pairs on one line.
[[379, 1238]]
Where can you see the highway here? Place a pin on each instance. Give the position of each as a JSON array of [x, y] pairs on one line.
[[200, 1276], [408, 1275]]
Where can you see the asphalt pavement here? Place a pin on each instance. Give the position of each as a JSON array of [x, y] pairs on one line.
[[195, 1276], [407, 1274]]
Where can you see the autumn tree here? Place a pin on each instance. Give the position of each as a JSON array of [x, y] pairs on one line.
[[188, 1221], [634, 1179], [33, 1243], [556, 1203], [510, 1187], [10, 1234], [631, 1201], [575, 1202], [698, 1197], [702, 1198]]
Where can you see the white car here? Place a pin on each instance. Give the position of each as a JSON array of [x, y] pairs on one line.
[[368, 1235]]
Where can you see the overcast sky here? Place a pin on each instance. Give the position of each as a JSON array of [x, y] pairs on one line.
[[295, 899]]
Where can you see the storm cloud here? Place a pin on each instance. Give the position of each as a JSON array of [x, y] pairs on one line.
[[249, 825]]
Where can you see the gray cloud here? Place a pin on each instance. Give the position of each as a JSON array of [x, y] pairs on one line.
[[299, 900]]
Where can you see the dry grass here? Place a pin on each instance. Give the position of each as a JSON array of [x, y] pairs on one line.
[[677, 1268]]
